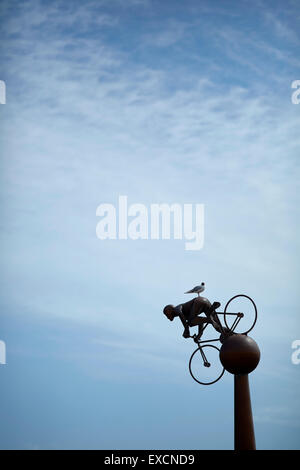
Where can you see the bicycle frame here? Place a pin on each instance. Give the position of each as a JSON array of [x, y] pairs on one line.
[[234, 325], [199, 343], [225, 331]]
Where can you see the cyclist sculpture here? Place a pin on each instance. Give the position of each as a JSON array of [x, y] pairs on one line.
[[189, 314]]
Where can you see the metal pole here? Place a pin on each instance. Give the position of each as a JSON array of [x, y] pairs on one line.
[[244, 437], [240, 355]]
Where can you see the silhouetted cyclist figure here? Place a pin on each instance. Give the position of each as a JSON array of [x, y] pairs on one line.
[[188, 313]]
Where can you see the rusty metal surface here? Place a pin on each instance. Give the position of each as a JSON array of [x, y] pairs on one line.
[[239, 355], [244, 437]]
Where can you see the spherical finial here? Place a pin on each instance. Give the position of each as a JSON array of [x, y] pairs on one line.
[[239, 354]]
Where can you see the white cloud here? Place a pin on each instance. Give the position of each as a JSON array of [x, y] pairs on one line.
[[281, 29], [92, 123], [170, 33]]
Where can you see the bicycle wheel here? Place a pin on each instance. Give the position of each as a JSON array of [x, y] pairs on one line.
[[206, 375], [242, 315]]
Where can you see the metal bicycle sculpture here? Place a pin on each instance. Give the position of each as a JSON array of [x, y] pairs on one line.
[[204, 364]]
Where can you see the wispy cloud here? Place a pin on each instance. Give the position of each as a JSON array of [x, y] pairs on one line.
[[107, 114], [170, 34], [108, 98], [280, 28]]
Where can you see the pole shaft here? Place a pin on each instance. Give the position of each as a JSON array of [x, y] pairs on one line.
[[244, 438]]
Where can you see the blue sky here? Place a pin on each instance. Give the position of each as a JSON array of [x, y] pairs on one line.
[[165, 102]]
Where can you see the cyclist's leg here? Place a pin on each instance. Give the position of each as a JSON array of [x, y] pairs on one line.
[[217, 324], [211, 314], [201, 322]]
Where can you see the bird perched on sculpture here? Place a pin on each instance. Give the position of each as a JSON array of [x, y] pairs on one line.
[[197, 289]]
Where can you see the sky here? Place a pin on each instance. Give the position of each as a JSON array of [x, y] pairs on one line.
[[163, 102]]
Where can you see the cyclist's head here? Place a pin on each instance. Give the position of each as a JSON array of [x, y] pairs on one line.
[[169, 312]]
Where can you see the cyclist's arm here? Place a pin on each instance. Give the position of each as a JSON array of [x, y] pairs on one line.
[[179, 312]]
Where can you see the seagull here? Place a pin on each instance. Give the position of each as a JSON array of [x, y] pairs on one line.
[[197, 289]]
